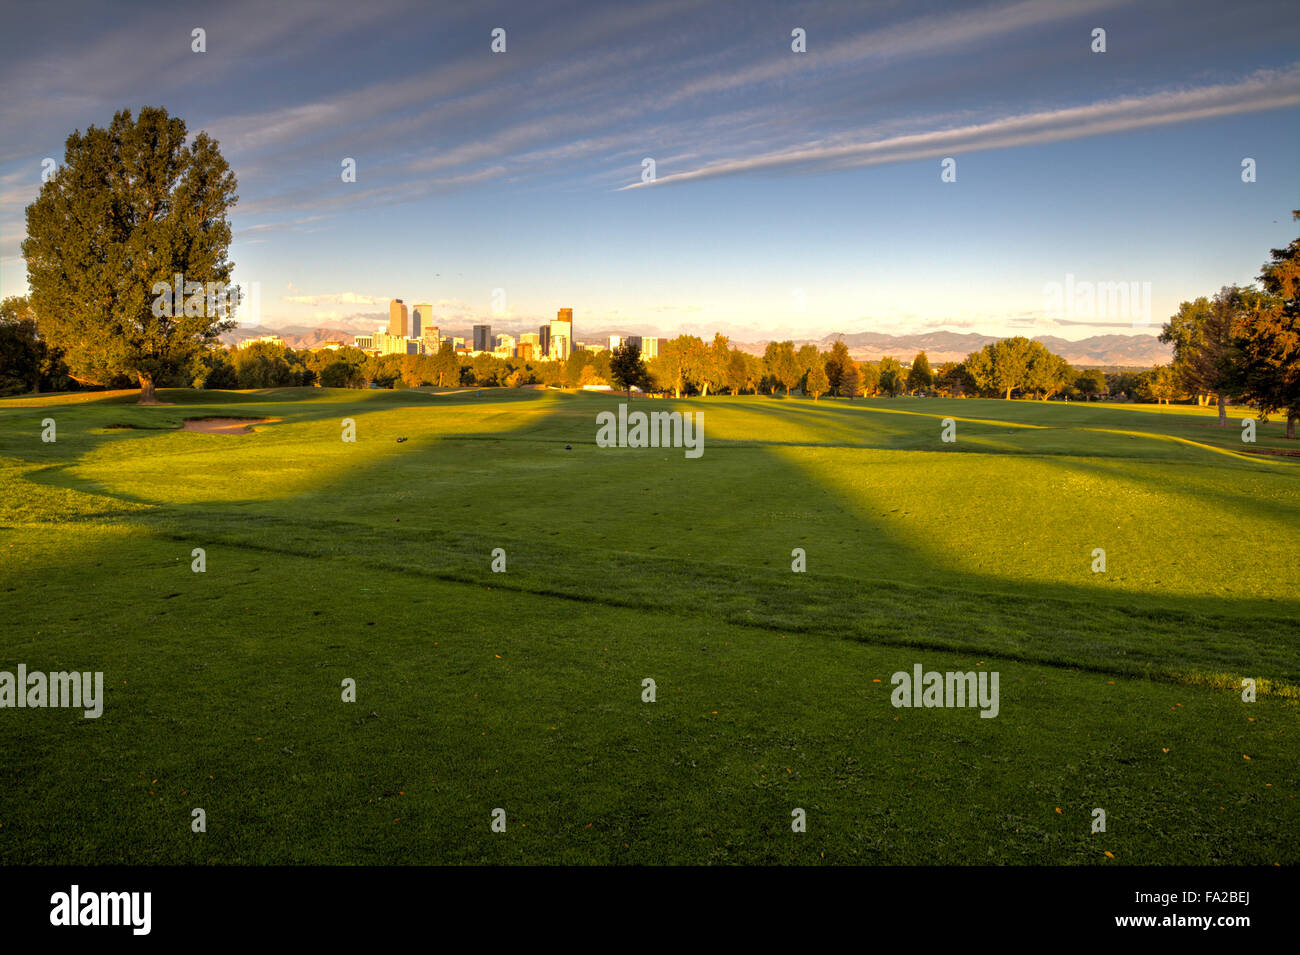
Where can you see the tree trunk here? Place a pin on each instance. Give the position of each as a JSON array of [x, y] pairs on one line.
[[1291, 419], [146, 391], [1223, 412], [1008, 394]]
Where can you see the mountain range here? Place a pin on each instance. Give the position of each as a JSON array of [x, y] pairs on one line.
[[1138, 350]]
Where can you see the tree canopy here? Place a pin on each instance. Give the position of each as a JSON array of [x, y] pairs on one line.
[[133, 206]]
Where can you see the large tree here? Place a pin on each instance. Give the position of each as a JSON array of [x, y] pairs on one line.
[[1001, 366], [132, 207], [1266, 336], [779, 361], [1206, 359], [1046, 373]]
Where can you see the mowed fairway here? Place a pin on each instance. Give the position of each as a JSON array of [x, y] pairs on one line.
[[522, 690]]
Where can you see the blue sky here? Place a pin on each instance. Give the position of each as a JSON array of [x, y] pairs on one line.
[[776, 171]]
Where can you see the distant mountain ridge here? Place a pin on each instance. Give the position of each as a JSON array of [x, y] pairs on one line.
[[1140, 350]]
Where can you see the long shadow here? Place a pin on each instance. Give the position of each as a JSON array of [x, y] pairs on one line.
[[669, 560], [585, 529]]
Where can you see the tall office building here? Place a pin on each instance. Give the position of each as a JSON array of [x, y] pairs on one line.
[[432, 339], [650, 347], [560, 342], [421, 318], [397, 319], [561, 347], [544, 341], [482, 337], [615, 341]]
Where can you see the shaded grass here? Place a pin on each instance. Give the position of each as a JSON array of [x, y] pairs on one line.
[[522, 690]]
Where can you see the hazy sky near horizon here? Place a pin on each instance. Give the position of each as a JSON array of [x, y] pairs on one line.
[[775, 171]]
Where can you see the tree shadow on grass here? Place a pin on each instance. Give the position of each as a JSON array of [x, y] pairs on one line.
[[641, 529]]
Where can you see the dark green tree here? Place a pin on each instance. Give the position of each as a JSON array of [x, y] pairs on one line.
[[919, 376], [1266, 336], [892, 378], [133, 206], [1206, 358], [626, 369], [27, 362]]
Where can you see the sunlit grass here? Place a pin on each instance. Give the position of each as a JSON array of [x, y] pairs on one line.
[[371, 560]]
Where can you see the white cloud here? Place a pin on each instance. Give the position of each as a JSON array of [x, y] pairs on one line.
[[334, 298], [1264, 90]]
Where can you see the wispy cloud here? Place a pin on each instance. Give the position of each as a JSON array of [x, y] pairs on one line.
[[1264, 90]]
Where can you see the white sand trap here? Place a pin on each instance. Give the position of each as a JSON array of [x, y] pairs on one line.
[[224, 425]]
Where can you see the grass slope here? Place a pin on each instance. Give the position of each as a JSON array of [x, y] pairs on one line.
[[371, 560]]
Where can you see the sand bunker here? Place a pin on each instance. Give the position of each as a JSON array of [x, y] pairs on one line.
[[224, 425]]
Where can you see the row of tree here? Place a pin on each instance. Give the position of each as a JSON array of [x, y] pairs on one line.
[[686, 365]]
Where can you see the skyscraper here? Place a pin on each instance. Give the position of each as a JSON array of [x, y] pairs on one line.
[[560, 340], [482, 337], [397, 319], [421, 318]]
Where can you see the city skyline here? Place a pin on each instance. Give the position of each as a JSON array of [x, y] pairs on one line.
[[794, 193]]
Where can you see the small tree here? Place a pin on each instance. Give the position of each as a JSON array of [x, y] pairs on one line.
[[867, 380], [26, 360], [836, 361], [850, 380], [1091, 382], [919, 376], [817, 384], [737, 371], [892, 381], [626, 369], [341, 374]]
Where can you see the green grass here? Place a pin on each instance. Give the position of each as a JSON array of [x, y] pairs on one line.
[[522, 690]]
